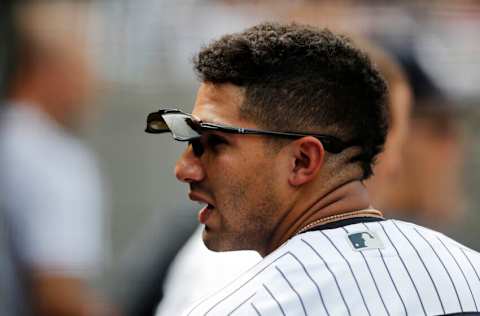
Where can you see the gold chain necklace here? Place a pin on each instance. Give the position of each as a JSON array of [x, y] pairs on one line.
[[338, 217]]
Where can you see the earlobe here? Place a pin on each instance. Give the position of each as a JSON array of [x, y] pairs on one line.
[[307, 160]]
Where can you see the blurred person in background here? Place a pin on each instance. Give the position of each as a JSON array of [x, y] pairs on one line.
[[198, 271], [430, 188], [389, 168], [53, 202]]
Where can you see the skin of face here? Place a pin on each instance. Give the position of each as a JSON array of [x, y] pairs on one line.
[[237, 174]]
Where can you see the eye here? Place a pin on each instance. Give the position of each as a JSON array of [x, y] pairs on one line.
[[197, 147], [213, 141]]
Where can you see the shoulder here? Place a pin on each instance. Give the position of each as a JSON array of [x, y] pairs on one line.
[[33, 146], [282, 281], [350, 268], [44, 169]]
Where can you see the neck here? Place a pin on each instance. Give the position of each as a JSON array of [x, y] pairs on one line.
[[348, 197], [36, 101]]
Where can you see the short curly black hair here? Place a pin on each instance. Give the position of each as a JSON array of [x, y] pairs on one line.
[[302, 78]]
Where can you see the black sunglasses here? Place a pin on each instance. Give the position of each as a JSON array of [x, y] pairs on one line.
[[184, 127]]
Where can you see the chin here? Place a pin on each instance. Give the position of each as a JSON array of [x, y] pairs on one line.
[[215, 246], [216, 243], [210, 240]]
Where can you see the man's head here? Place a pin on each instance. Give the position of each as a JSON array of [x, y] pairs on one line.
[[54, 71], [302, 78], [279, 78]]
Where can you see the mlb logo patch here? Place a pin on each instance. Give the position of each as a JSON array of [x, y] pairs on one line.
[[365, 240]]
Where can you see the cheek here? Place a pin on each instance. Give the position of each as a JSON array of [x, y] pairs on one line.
[[249, 192], [239, 180], [233, 193], [224, 170]]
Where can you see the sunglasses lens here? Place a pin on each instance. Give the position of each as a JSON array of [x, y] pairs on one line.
[[156, 124], [181, 126]]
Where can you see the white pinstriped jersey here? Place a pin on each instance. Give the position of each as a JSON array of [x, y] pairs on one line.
[[378, 268]]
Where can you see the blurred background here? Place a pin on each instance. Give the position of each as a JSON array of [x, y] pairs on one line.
[[138, 55]]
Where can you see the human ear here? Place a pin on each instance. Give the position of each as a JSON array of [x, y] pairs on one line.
[[307, 160]]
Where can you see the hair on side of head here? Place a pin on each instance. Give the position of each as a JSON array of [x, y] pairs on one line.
[[302, 78]]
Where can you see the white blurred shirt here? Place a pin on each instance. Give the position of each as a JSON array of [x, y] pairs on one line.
[[197, 272], [52, 195]]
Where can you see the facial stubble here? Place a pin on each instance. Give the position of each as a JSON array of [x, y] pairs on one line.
[[247, 217]]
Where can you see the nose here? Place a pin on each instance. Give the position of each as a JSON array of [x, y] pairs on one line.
[[189, 168]]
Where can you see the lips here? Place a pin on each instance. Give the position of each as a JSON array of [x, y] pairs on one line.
[[205, 212]]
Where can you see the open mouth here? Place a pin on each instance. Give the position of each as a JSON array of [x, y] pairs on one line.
[[206, 210], [204, 213]]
